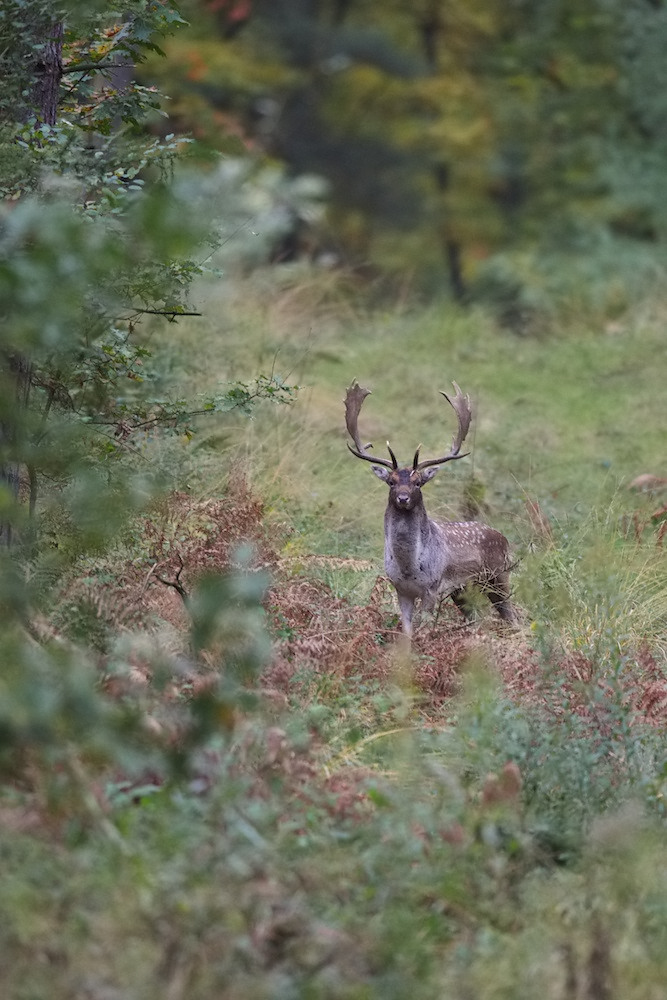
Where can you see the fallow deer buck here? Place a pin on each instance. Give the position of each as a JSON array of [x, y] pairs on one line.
[[428, 559]]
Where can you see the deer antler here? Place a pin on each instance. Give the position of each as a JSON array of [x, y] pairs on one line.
[[354, 399], [461, 404]]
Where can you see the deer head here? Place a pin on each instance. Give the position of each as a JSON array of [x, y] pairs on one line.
[[405, 483]]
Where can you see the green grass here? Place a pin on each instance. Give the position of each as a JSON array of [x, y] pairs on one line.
[[269, 885], [567, 420]]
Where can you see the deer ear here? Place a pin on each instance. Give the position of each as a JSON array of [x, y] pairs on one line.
[[428, 474], [382, 473]]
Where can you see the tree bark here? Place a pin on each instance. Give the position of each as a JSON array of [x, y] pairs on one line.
[[48, 72], [17, 372]]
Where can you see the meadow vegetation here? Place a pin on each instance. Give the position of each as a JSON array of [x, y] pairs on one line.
[[222, 775], [298, 808]]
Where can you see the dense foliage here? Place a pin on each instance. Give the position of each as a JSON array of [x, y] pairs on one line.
[[94, 237], [448, 132]]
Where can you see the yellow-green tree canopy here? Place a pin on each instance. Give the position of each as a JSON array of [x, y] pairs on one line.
[[463, 127]]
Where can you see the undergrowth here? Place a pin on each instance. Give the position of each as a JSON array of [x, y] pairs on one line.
[[250, 789]]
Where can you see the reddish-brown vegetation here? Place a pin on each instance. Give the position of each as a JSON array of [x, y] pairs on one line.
[[316, 631]]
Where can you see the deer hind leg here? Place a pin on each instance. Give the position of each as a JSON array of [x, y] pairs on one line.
[[463, 604], [498, 592]]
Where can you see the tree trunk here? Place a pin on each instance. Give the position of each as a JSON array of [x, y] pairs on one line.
[[14, 366], [430, 26], [451, 247], [455, 270], [48, 71], [17, 383]]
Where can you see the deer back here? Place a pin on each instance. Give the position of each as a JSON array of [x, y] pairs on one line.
[[474, 550]]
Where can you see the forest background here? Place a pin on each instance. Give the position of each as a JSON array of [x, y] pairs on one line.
[[221, 773]]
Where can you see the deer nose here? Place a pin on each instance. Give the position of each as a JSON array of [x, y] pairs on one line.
[[402, 499]]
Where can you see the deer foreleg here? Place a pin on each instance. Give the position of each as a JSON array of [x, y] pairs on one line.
[[407, 607]]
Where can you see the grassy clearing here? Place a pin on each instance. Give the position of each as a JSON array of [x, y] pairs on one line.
[[566, 420], [484, 819]]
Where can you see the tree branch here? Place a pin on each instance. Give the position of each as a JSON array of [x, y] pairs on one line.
[[92, 67], [166, 312], [176, 583]]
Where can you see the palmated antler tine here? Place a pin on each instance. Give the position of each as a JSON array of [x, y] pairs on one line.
[[463, 408], [461, 405], [354, 399]]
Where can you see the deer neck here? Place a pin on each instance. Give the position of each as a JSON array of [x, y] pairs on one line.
[[406, 533]]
